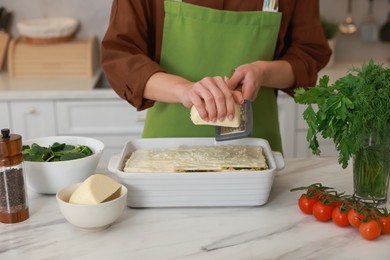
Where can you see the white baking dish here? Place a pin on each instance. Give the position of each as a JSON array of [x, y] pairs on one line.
[[235, 188]]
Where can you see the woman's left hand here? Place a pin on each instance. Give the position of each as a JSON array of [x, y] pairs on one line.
[[251, 77], [248, 77]]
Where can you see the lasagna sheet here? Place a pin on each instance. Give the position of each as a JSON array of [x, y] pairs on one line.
[[187, 158]]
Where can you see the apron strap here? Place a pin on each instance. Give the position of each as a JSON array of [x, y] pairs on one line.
[[270, 5]]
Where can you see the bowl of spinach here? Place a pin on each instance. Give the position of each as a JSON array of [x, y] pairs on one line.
[[54, 162]]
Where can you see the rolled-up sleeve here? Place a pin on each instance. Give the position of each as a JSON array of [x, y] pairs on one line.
[[126, 54], [131, 47], [304, 44]]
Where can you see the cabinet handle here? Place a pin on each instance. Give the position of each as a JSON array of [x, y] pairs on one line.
[[33, 111], [141, 118]]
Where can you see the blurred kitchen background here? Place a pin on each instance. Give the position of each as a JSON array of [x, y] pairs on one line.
[[94, 14], [87, 106]]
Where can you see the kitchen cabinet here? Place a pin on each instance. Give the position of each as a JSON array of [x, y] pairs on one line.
[[286, 108], [294, 128], [112, 121], [326, 146], [33, 118], [294, 131], [4, 118], [71, 107], [98, 117], [101, 114]]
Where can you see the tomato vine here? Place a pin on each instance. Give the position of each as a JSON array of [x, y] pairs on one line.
[[326, 204]]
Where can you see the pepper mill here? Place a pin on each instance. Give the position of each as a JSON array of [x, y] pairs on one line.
[[13, 195]]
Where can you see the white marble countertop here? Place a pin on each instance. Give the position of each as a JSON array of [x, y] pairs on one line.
[[276, 230]]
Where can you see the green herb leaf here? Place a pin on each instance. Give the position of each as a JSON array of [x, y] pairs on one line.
[[347, 111]]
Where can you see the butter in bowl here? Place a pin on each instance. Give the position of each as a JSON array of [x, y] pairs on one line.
[[94, 204]]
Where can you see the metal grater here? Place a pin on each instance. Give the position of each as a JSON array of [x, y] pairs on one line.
[[223, 133]]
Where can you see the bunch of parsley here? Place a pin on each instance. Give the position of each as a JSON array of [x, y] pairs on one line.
[[348, 111]]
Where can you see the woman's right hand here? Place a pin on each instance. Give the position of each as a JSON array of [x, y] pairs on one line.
[[212, 98]]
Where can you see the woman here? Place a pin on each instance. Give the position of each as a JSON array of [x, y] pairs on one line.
[[170, 55]]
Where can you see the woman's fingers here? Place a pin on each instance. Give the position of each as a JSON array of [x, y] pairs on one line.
[[214, 97], [246, 78], [213, 100], [238, 97], [223, 98], [236, 79]]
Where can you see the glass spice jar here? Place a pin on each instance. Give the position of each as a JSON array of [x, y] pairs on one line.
[[13, 195]]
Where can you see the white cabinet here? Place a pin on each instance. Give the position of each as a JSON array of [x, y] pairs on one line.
[[69, 106], [294, 127], [326, 146], [101, 114], [114, 122], [33, 119], [286, 107], [4, 116], [98, 117], [109, 119]]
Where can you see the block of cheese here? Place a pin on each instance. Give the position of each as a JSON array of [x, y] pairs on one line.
[[197, 120], [94, 190]]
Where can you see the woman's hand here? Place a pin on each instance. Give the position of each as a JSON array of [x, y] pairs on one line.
[[252, 76], [248, 78], [212, 98]]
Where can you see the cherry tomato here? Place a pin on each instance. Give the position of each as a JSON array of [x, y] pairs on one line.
[[306, 204], [315, 193], [322, 212], [370, 230], [385, 224], [340, 218], [337, 204], [354, 218]]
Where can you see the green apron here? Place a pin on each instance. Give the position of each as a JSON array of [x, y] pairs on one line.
[[200, 42]]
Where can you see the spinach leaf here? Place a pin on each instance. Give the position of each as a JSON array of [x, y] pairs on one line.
[[55, 152]]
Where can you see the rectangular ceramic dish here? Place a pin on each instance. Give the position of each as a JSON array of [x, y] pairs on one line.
[[196, 189]]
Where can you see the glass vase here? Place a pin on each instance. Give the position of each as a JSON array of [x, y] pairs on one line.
[[371, 172]]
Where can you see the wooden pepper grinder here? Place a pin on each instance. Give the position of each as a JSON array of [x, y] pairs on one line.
[[13, 193]]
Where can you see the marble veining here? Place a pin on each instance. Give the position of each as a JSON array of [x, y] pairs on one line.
[[276, 230]]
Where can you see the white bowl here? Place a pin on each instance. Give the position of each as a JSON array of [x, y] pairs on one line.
[[50, 177], [52, 27], [90, 217]]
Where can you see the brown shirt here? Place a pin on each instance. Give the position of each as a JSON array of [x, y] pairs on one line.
[[132, 44]]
